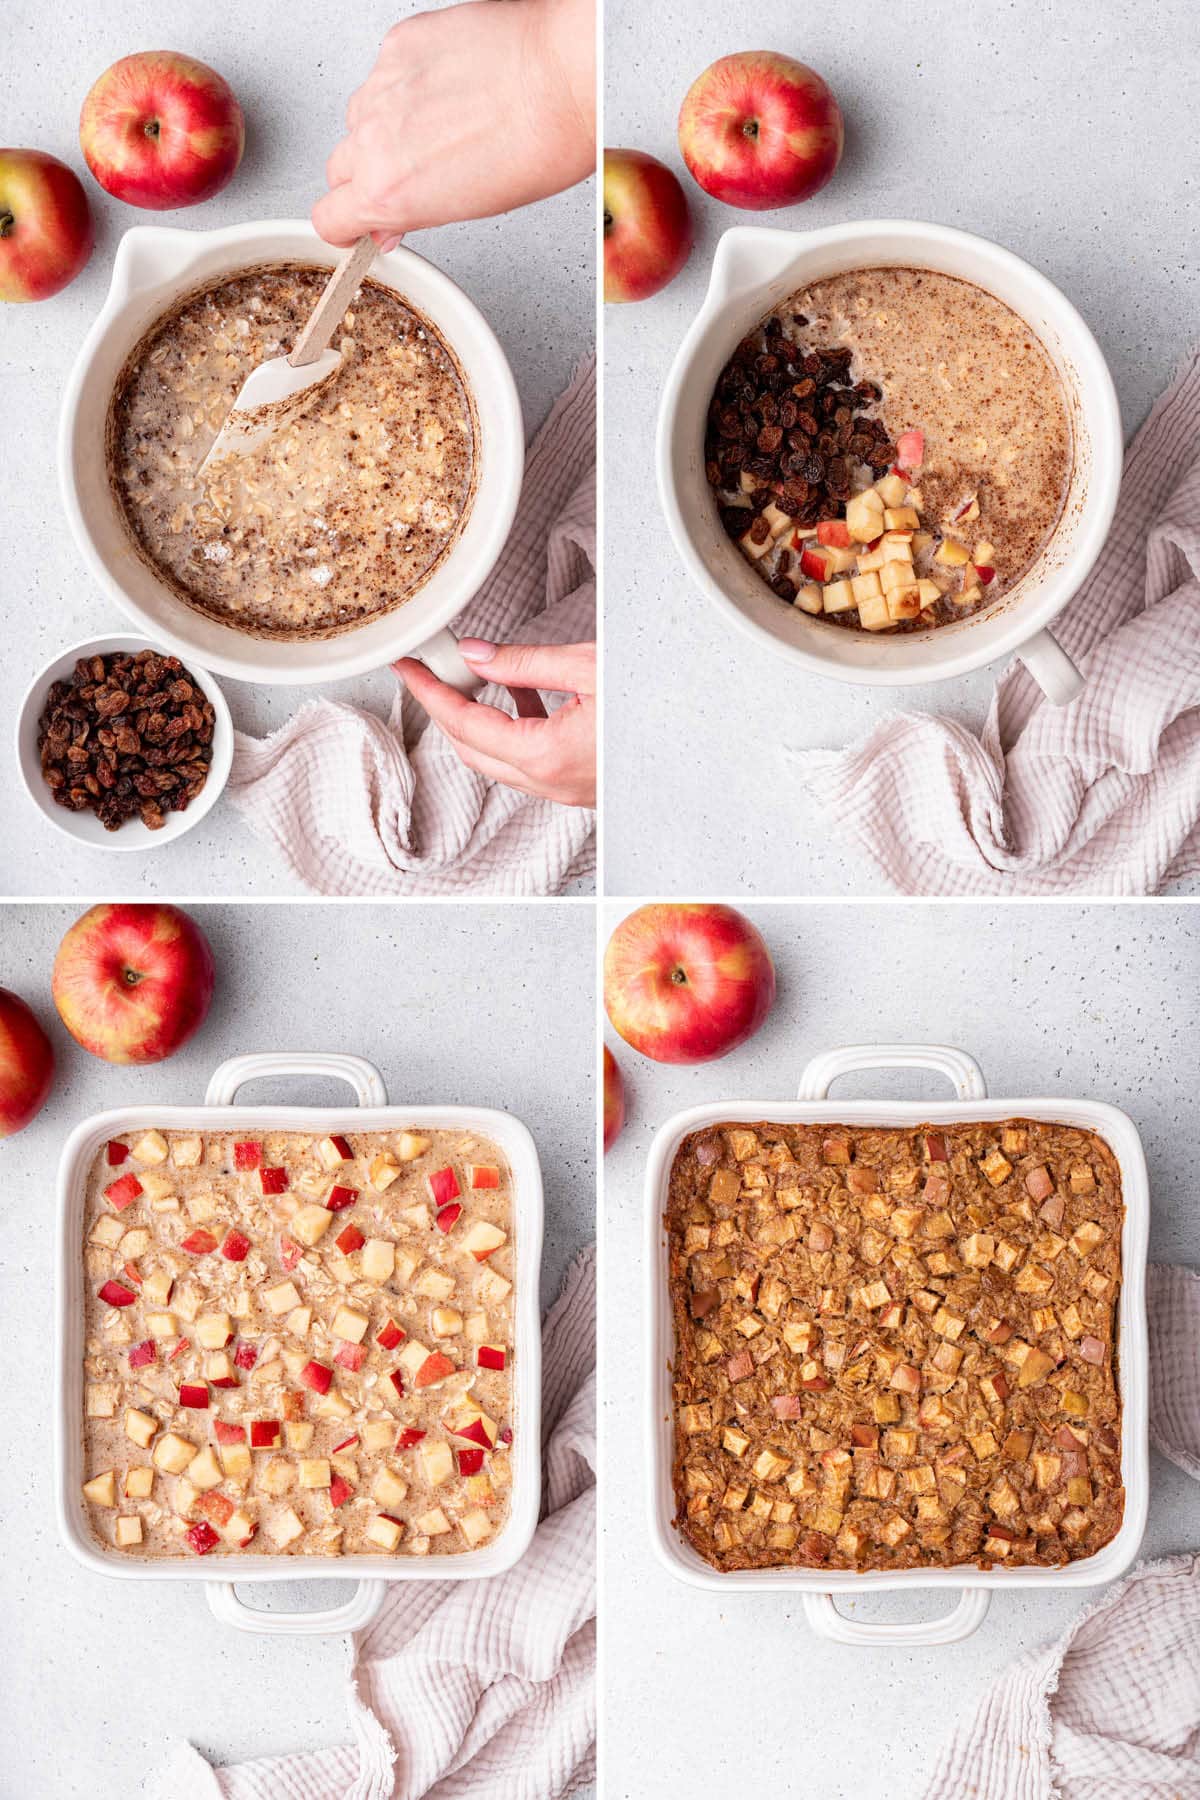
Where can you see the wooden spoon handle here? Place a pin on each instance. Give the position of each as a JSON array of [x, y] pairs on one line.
[[330, 309]]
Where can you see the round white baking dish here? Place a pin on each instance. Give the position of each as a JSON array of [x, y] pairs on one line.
[[85, 827], [154, 267], [372, 1573], [755, 268], [819, 1588]]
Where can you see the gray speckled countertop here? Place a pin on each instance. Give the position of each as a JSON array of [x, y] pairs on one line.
[[1051, 126], [293, 71], [469, 1004], [734, 1695]]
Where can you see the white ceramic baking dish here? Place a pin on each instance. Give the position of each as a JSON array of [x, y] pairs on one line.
[[156, 265], [820, 1587], [754, 268], [372, 1573]]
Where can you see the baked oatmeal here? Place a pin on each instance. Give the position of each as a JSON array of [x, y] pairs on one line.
[[350, 503], [891, 448], [300, 1345], [896, 1348]]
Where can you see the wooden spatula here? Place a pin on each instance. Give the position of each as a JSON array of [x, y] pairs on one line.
[[268, 395]]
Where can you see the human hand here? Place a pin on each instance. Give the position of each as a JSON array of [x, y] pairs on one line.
[[553, 757], [468, 112]]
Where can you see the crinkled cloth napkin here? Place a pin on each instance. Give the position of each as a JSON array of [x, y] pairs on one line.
[[472, 1690], [1102, 796], [357, 805], [1112, 1710]]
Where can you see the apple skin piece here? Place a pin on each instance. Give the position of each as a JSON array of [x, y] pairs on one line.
[[687, 983], [226, 1433], [490, 1356], [273, 1181], [409, 1437], [265, 1434], [235, 1246], [123, 1192], [116, 1153], [113, 1294], [245, 1356], [835, 532], [443, 1186], [390, 1335], [316, 1376], [351, 1356], [614, 1100], [339, 1491], [448, 1217], [349, 1240], [133, 982], [484, 1175], [910, 450], [647, 226], [194, 1394], [340, 1198], [201, 1538], [247, 1156], [435, 1368], [760, 130], [289, 1253], [470, 1462], [142, 1354], [161, 130], [199, 1243], [46, 229]]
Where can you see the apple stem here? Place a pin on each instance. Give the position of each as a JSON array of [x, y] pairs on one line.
[[151, 128], [679, 977], [7, 222], [750, 128]]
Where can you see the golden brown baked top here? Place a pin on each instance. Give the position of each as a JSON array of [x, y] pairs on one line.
[[895, 1349]]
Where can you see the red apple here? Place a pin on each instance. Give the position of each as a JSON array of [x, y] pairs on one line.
[[26, 1065], [133, 982], [161, 130], [46, 231], [759, 130], [687, 983], [647, 226], [614, 1099]]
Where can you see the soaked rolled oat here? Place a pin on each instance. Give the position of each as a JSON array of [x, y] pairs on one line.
[[348, 507]]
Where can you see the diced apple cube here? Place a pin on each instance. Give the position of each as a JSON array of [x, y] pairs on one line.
[[864, 516], [891, 490], [284, 1529], [492, 1287], [310, 1223], [475, 1526], [378, 1260], [384, 1531], [236, 1461], [434, 1284], [866, 587], [350, 1324], [314, 1472], [333, 1151], [150, 1148], [445, 1321], [377, 1434], [156, 1288], [240, 1528], [286, 1295], [204, 1471], [951, 554], [173, 1453], [808, 598], [1087, 1238], [903, 602], [929, 592], [411, 1145], [186, 1152], [140, 1427], [383, 1170], [437, 1461], [101, 1490], [139, 1482], [873, 614], [128, 1531], [299, 1433], [276, 1477], [388, 1489], [214, 1330], [900, 518], [838, 597], [107, 1232], [433, 1523], [895, 575]]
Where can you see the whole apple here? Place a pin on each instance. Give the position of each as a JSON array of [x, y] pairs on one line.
[[687, 983], [46, 230], [760, 130], [647, 225], [161, 130], [614, 1099], [133, 982], [26, 1064]]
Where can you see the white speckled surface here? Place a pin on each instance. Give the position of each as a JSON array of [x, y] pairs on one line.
[[293, 70], [1052, 128], [470, 1003], [738, 1697]]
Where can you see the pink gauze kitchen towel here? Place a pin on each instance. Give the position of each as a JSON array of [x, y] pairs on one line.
[[1111, 1711], [1099, 797], [472, 1690], [359, 805]]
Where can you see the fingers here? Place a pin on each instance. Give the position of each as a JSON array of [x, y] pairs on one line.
[[558, 668], [482, 729], [340, 165]]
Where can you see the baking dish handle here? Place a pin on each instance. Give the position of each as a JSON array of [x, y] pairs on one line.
[[1052, 669], [951, 1628], [961, 1070], [336, 1065], [442, 654], [355, 1614]]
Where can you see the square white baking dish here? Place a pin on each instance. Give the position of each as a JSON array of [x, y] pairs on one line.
[[219, 1113], [818, 1587]]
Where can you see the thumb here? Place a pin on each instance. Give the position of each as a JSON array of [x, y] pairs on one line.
[[338, 216], [556, 668]]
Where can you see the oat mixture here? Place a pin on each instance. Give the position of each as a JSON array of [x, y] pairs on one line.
[[896, 1349], [351, 502], [913, 385], [298, 1345]]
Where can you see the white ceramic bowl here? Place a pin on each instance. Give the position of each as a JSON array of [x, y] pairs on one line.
[[85, 827], [154, 266], [754, 269], [372, 1573], [818, 1587]]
